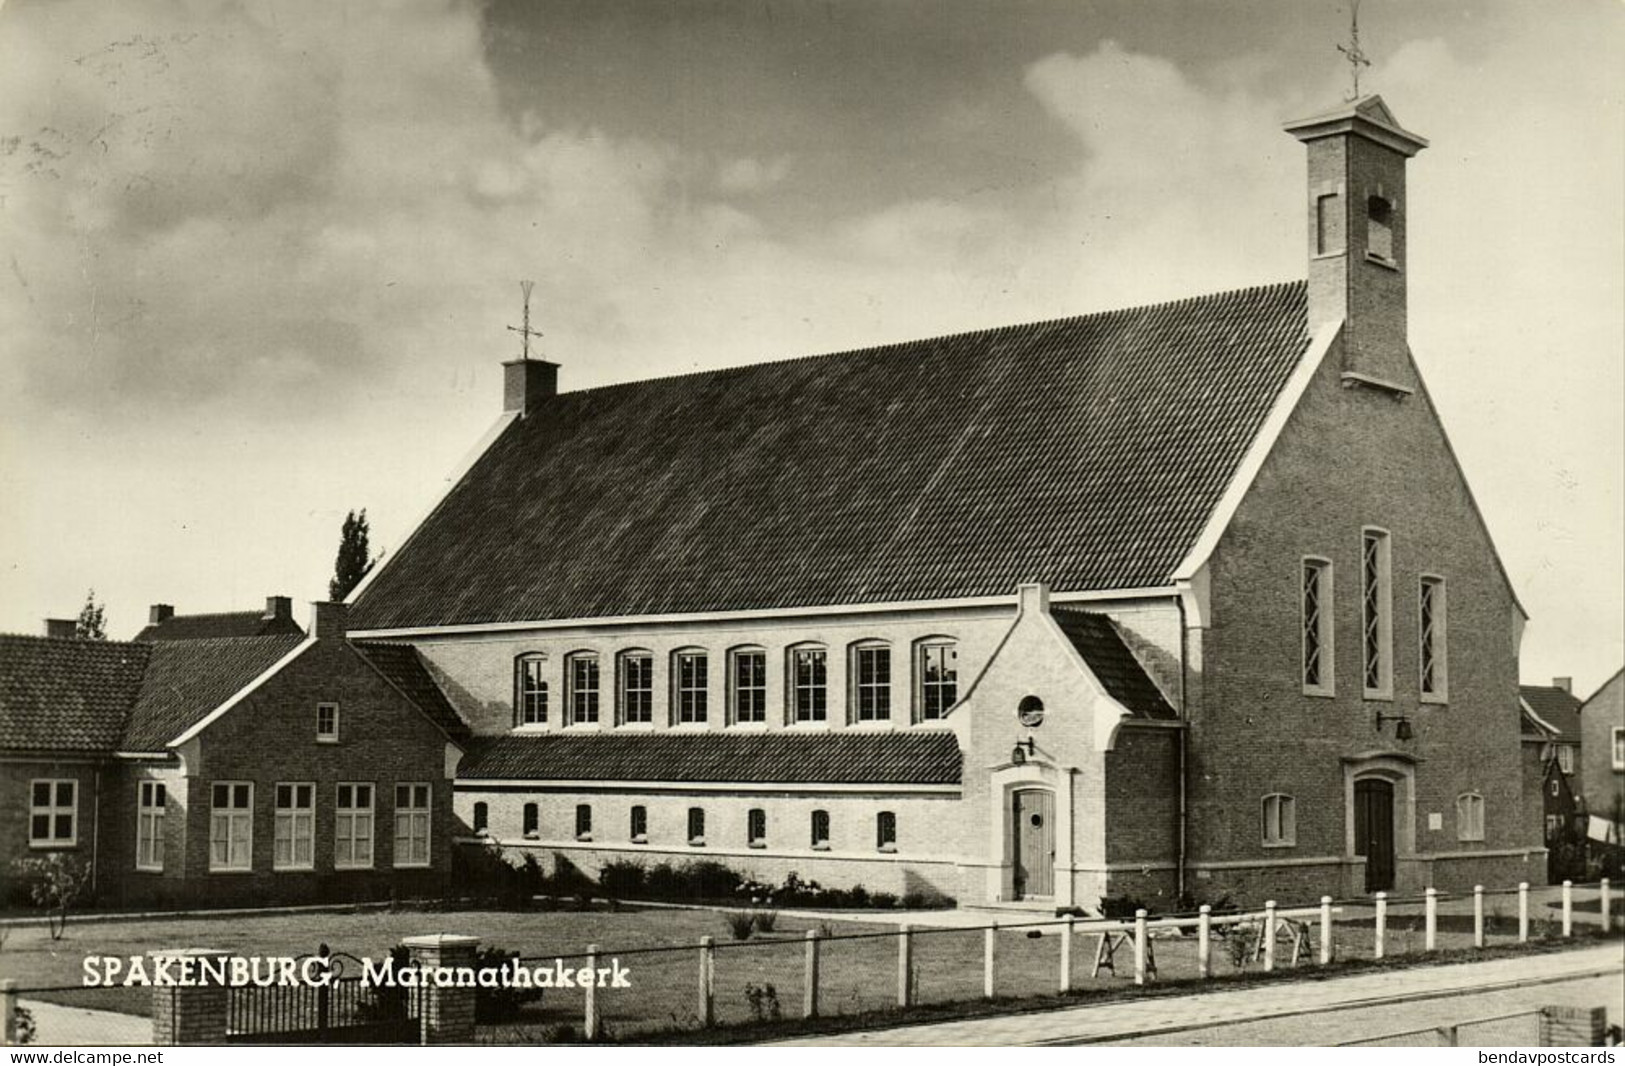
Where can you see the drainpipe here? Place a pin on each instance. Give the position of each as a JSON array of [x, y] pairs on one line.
[[1184, 737], [96, 832]]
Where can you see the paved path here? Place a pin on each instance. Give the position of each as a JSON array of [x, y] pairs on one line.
[[1134, 1019], [59, 1026]]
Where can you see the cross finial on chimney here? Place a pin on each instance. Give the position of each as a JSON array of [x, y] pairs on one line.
[[524, 331], [1356, 58]]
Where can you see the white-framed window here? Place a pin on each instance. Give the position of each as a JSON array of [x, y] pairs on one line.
[[412, 825], [696, 826], [353, 825], [820, 830], [151, 802], [809, 684], [637, 829], [756, 828], [871, 682], [1565, 758], [295, 827], [1617, 747], [637, 695], [530, 689], [1469, 816], [937, 667], [747, 685], [53, 812], [1433, 660], [327, 723], [231, 825], [1377, 615], [1280, 820], [886, 831], [530, 826], [581, 674], [1319, 664], [690, 692], [583, 821]]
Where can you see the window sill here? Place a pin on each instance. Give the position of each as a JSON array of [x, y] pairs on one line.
[[640, 840], [820, 847], [533, 836], [696, 843], [1383, 261], [531, 727], [636, 727], [293, 869], [344, 866], [1277, 845], [1377, 696], [327, 740], [231, 869], [53, 845], [757, 844], [887, 849], [583, 838], [412, 865], [1320, 693], [1336, 253], [1435, 701], [148, 869], [583, 727]]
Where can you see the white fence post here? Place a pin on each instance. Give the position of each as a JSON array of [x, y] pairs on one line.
[[1204, 941], [1269, 935], [1607, 922], [990, 951], [1325, 930], [809, 994], [708, 1002], [1381, 924], [589, 996], [1140, 945], [1478, 916], [905, 964], [1523, 912], [1430, 937], [1568, 908], [8, 1012], [1066, 951]]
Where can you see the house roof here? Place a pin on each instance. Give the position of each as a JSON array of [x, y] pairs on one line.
[[1100, 641], [187, 679], [223, 624], [404, 668], [67, 695], [1555, 708], [924, 757], [1085, 452]]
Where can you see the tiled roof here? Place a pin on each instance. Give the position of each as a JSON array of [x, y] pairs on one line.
[[1086, 452], [924, 757], [224, 624], [1557, 708], [187, 679], [1101, 644], [406, 670], [67, 695]]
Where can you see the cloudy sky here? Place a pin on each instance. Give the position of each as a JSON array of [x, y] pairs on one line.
[[256, 260]]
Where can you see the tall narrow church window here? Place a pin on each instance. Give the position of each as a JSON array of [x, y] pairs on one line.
[[871, 671], [530, 690], [1319, 678], [1377, 614], [1326, 224], [691, 690], [1469, 816], [1380, 228], [938, 671], [756, 828], [531, 823], [637, 688], [809, 684], [820, 830], [582, 675], [638, 829], [1430, 629], [696, 826], [747, 679], [886, 831], [583, 821]]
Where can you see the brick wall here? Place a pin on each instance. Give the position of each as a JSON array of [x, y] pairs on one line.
[[16, 780]]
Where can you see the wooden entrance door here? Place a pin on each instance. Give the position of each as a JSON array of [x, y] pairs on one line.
[[1374, 831], [1033, 834]]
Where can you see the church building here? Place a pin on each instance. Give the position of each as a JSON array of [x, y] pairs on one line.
[[1172, 601]]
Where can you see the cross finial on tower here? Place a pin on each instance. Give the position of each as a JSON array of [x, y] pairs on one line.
[[1356, 58], [524, 331]]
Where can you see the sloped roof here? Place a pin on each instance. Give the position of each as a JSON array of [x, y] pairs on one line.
[[67, 695], [1555, 707], [1100, 642], [924, 757], [187, 679], [1085, 452], [405, 669], [223, 624]]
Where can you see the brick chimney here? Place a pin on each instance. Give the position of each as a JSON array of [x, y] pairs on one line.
[[527, 382], [1357, 259], [1564, 683], [159, 613], [278, 607], [62, 628], [328, 620]]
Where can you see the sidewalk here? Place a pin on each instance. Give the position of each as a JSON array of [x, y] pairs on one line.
[[59, 1026], [1124, 1019]]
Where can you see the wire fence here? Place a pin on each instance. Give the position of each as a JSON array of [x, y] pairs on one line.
[[1521, 1029]]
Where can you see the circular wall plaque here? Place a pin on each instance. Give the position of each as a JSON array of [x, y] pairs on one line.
[[1030, 711]]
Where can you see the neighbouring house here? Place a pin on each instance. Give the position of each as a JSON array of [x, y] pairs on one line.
[[275, 621], [1602, 754], [228, 769], [1172, 601], [1556, 710]]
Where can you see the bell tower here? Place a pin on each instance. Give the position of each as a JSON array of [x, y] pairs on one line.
[[1357, 255]]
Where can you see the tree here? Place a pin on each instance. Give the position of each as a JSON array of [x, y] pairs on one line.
[[92, 621], [355, 556], [55, 884]]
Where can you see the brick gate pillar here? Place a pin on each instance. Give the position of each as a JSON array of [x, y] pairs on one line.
[[1573, 1026], [194, 1010], [446, 1014]]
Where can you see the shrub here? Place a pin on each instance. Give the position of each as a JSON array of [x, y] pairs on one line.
[[857, 896], [883, 899], [55, 884], [712, 880], [740, 923], [664, 881], [764, 1002], [622, 877], [766, 920]]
